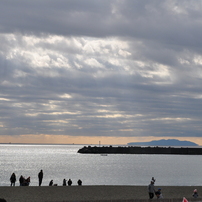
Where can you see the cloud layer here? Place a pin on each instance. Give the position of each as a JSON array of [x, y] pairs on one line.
[[101, 68]]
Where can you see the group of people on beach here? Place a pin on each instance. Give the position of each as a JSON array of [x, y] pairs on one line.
[[152, 191], [26, 181], [22, 180], [65, 182]]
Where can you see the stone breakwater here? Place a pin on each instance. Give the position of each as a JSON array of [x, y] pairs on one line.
[[140, 150]]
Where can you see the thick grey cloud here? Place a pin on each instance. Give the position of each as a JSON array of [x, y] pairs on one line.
[[105, 68]]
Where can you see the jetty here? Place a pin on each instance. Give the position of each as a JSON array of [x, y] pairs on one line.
[[140, 150]]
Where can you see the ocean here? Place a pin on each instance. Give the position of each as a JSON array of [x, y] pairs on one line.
[[60, 162]]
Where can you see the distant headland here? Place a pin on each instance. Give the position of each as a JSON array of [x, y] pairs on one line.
[[189, 149], [163, 142]]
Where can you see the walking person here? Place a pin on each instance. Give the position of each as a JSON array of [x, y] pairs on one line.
[[151, 190], [40, 176], [13, 179]]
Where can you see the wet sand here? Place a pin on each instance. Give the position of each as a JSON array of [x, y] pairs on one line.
[[94, 193]]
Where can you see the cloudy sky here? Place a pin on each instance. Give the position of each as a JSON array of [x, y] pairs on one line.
[[111, 71]]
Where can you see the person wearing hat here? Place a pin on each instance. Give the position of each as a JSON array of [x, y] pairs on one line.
[[159, 194]]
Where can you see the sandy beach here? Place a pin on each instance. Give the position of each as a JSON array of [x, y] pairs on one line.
[[94, 193]]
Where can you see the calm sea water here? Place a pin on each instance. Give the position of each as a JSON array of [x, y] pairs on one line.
[[63, 161]]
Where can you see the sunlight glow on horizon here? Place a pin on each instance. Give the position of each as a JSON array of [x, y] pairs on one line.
[[63, 139]]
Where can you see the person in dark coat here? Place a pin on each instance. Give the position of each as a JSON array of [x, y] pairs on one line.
[[69, 182], [79, 182], [40, 176], [13, 179], [64, 182], [21, 180], [159, 193], [51, 183]]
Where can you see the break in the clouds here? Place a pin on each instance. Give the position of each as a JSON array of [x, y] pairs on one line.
[[101, 68]]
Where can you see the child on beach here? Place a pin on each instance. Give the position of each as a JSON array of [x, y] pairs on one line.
[[158, 193], [195, 193]]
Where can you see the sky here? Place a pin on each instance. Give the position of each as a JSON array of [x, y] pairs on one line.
[[109, 72]]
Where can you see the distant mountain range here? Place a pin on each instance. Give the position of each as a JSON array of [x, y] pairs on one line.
[[163, 142]]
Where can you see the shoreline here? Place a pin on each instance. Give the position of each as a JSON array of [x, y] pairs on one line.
[[94, 193]]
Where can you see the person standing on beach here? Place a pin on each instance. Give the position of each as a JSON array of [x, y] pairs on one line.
[[151, 190], [21, 180], [69, 182], [13, 179], [64, 182], [79, 182], [40, 176]]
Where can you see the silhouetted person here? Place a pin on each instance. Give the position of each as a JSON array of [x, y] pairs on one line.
[[69, 182], [51, 183], [13, 179], [79, 182], [64, 182], [21, 180], [26, 182], [40, 176]]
